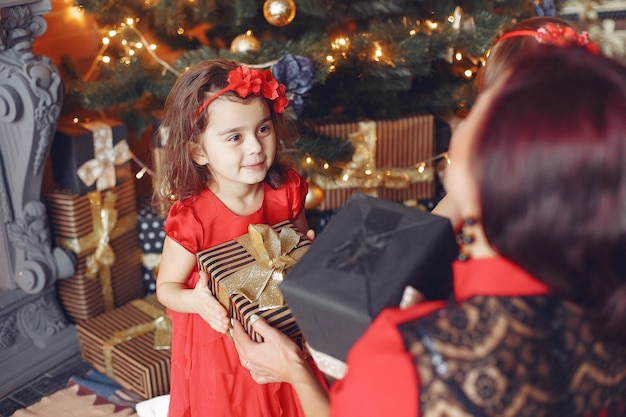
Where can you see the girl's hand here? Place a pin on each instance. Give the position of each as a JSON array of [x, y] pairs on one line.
[[277, 359], [207, 306]]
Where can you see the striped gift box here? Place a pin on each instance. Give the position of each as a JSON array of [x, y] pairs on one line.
[[131, 360], [400, 144], [223, 260], [72, 222]]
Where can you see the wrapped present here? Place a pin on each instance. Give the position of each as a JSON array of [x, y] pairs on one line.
[[151, 232], [91, 155], [371, 251], [131, 345], [100, 228], [245, 274], [388, 161]]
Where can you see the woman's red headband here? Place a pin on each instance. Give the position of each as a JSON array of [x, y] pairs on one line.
[[555, 34]]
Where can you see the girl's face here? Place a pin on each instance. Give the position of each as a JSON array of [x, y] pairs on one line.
[[239, 144]]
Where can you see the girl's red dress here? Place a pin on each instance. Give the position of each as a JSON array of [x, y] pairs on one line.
[[207, 379]]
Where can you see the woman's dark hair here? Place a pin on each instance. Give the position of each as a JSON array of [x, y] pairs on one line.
[[180, 177], [551, 164]]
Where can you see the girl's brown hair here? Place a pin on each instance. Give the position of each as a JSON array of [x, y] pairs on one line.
[[180, 177]]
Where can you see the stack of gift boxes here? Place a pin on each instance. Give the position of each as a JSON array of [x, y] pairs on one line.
[[93, 214]]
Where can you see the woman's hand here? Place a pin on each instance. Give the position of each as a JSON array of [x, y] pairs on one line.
[[273, 360], [279, 359]]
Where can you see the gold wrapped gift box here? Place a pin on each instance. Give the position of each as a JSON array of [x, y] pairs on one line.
[[130, 344], [108, 272], [391, 149], [245, 274]]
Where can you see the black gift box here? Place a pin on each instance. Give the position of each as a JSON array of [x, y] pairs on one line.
[[361, 263], [73, 145]]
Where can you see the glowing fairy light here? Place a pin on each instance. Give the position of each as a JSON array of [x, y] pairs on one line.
[[378, 52], [340, 43]]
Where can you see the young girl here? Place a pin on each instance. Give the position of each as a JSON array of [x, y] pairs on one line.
[[222, 170]]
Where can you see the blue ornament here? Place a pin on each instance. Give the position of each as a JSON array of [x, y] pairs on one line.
[[544, 8], [296, 73]]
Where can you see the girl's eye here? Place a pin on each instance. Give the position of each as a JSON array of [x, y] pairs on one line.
[[265, 129], [234, 138]]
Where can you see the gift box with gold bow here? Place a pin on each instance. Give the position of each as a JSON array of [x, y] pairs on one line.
[[371, 254], [90, 155], [386, 162], [245, 274], [131, 345], [100, 228]]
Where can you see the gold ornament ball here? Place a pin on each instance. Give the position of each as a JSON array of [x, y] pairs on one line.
[[279, 12], [314, 197], [244, 43]]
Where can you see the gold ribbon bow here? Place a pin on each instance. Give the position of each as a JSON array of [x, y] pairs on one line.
[[362, 172], [161, 324], [101, 169], [100, 261], [260, 282]]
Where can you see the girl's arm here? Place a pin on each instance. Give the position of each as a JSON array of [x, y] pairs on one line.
[[173, 292], [279, 359]]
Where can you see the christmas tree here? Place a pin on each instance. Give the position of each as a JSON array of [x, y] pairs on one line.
[[340, 60], [356, 59]]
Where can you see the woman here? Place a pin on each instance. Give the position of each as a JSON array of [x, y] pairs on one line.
[[508, 44], [537, 321]]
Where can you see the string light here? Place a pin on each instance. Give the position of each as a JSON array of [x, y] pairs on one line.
[[142, 44]]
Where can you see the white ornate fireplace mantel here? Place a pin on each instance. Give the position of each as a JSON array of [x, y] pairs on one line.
[[34, 334]]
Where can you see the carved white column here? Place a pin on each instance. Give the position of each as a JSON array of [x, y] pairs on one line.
[[33, 330]]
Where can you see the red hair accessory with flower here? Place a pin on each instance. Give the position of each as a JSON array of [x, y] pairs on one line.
[[246, 81], [555, 34]]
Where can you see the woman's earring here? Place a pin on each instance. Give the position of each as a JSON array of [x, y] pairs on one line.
[[466, 238]]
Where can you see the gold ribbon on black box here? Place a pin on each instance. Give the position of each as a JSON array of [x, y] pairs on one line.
[[271, 251], [101, 169], [105, 226], [161, 325]]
